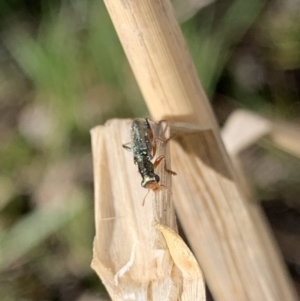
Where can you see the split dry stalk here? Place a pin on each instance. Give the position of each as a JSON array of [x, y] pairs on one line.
[[227, 232], [136, 253]]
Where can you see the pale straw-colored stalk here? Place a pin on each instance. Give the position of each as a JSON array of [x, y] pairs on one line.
[[136, 253], [227, 232]]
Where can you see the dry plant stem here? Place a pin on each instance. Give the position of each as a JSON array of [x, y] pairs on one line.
[[241, 130], [244, 128], [286, 137], [158, 55], [130, 255], [157, 52], [227, 234]]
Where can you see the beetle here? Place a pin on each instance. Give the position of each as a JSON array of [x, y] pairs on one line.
[[143, 147]]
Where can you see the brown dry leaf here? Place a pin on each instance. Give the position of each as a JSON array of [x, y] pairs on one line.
[[193, 283]]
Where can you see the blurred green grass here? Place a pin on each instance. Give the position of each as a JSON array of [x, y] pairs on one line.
[[63, 72]]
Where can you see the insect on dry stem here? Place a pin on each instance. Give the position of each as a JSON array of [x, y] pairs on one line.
[[143, 146]]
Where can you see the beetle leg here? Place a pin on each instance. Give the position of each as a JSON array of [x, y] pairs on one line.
[[158, 160], [127, 147]]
